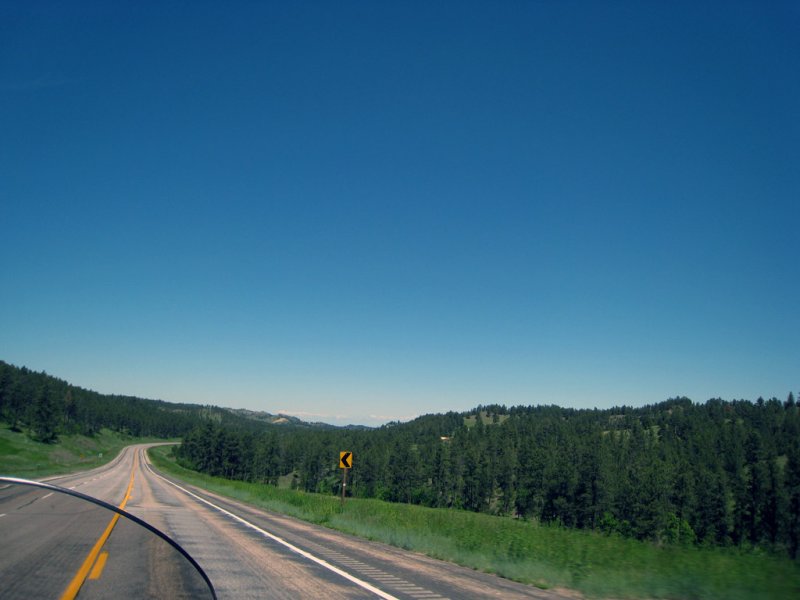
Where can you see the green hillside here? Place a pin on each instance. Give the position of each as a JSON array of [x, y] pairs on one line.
[[21, 456], [720, 473], [46, 408], [547, 556]]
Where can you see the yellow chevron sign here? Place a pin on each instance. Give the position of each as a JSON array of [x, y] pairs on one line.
[[345, 460]]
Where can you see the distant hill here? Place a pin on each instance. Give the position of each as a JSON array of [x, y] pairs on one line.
[[46, 406], [279, 419]]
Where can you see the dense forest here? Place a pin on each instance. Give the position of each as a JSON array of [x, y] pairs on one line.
[[719, 473]]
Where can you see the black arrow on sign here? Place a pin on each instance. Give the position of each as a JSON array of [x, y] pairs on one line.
[[344, 461]]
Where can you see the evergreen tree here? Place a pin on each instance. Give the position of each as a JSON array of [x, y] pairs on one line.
[[45, 418], [792, 491]]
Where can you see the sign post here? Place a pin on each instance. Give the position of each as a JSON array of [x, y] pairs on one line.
[[345, 464]]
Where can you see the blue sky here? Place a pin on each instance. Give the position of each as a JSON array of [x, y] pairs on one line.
[[361, 212]]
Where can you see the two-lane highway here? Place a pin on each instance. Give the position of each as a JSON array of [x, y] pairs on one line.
[[246, 552], [57, 545]]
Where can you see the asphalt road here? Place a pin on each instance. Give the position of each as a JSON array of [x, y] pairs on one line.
[[48, 542]]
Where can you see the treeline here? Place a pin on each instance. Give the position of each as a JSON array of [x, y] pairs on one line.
[[719, 473], [45, 407]]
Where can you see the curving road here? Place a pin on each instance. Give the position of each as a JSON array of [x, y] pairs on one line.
[[246, 552]]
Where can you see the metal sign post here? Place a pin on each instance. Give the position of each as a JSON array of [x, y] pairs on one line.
[[345, 464], [344, 483]]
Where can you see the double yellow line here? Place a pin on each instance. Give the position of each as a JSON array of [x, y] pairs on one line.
[[92, 559]]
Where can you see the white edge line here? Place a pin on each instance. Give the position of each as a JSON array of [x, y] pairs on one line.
[[47, 496], [290, 546]]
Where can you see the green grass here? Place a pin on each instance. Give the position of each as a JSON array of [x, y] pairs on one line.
[[21, 456], [596, 565]]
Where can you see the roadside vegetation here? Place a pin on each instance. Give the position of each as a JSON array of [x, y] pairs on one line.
[[22, 456], [721, 473], [547, 556]]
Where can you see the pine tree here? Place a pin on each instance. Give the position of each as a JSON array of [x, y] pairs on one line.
[[45, 418], [792, 486]]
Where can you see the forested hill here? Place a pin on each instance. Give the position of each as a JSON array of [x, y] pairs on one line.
[[46, 406], [720, 473]]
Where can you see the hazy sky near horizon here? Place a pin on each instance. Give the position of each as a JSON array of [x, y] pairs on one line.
[[363, 211]]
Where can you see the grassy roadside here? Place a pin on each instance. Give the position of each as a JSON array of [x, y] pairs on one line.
[[594, 564], [21, 456]]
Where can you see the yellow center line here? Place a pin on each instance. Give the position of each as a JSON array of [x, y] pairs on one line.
[[97, 569], [75, 585]]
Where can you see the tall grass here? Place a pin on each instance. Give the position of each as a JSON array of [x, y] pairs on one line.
[[595, 564]]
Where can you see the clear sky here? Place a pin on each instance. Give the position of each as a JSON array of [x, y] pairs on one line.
[[366, 211]]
